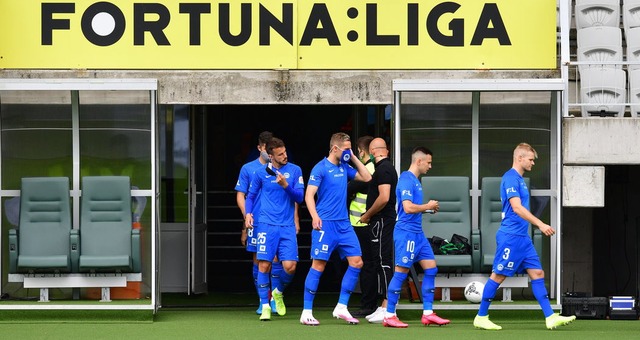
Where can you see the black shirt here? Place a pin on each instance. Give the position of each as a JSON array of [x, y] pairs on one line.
[[385, 174]]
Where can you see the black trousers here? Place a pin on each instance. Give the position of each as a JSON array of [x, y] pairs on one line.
[[376, 241]]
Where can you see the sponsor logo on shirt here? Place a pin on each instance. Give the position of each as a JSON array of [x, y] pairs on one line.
[[512, 189]]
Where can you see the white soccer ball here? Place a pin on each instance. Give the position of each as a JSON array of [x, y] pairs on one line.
[[473, 291]]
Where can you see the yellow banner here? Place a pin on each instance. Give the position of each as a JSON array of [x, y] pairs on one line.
[[270, 34]]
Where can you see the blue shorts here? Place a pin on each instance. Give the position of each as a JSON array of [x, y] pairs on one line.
[[251, 240], [334, 234], [411, 247], [514, 254], [276, 240]]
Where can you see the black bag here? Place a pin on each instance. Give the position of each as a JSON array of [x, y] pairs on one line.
[[436, 242], [461, 243]]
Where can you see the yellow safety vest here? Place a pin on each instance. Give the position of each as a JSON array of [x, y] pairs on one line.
[[358, 205]]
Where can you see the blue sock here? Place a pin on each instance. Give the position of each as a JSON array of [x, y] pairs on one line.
[[255, 277], [311, 287], [263, 287], [428, 288], [349, 281], [285, 279], [276, 274], [489, 292], [393, 292], [540, 292]]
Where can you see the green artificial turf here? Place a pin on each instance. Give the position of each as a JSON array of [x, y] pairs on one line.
[[243, 323]]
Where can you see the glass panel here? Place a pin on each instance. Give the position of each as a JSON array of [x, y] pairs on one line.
[[440, 121], [36, 135], [507, 119], [174, 162], [115, 135]]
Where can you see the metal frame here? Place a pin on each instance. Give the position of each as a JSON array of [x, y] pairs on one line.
[[75, 85], [558, 87]]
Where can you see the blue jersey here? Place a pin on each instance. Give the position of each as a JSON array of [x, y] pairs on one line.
[[513, 185], [409, 188], [244, 181], [331, 181], [276, 204]]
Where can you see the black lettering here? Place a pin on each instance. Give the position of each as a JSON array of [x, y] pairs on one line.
[[154, 27], [490, 15], [91, 35], [456, 25], [49, 23], [412, 24], [373, 38], [194, 11], [319, 16], [224, 26], [284, 27]]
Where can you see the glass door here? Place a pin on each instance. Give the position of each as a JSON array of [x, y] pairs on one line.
[[183, 227], [198, 203]]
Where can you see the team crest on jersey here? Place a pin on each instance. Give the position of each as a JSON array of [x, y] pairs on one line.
[[286, 175]]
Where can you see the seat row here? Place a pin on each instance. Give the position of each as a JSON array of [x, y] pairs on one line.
[[590, 13], [604, 88], [46, 242]]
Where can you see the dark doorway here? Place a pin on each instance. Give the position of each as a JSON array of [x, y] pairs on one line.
[[232, 132], [616, 234]]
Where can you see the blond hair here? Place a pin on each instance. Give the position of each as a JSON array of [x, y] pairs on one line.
[[522, 149], [338, 138]]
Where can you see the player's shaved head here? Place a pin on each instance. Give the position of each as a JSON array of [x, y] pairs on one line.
[[522, 149]]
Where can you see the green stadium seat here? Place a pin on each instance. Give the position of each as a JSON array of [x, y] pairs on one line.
[[45, 241], [109, 244], [454, 217]]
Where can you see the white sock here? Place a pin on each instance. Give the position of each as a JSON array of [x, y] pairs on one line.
[[389, 315], [341, 306], [427, 312], [276, 291]]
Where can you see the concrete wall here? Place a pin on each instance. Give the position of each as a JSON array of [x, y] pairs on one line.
[[277, 86], [598, 141], [582, 186]]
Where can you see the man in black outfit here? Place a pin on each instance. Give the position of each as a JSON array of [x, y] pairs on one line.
[[380, 217], [357, 194]]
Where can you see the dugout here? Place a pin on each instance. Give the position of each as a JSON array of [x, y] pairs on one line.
[[76, 129]]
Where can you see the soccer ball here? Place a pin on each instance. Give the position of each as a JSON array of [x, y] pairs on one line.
[[473, 291]]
